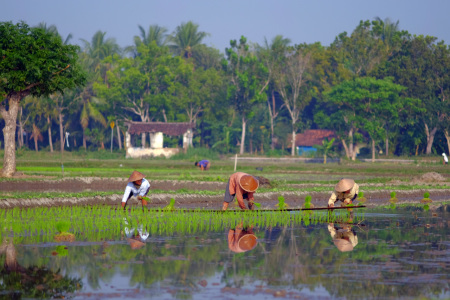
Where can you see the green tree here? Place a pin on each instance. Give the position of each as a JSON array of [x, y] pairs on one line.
[[325, 148], [155, 33], [144, 85], [290, 82], [185, 39], [33, 62], [271, 55], [362, 51], [365, 102], [249, 79], [422, 65]]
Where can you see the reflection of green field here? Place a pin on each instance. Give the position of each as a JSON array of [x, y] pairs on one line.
[[392, 258]]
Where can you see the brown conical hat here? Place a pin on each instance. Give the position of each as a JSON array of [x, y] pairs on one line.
[[247, 242], [135, 244], [136, 176], [344, 185], [249, 183], [343, 245]]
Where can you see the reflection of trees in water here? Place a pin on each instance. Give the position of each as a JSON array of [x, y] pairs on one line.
[[303, 256], [34, 281]]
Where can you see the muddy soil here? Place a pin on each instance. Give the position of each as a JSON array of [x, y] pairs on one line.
[[294, 199]]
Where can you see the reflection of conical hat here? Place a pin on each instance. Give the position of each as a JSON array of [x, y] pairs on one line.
[[344, 185], [135, 244], [343, 245], [249, 183], [136, 176], [247, 242]]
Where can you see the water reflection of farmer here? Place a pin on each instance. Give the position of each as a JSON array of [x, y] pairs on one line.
[[346, 191], [242, 186], [135, 238], [137, 186], [344, 238], [241, 239]]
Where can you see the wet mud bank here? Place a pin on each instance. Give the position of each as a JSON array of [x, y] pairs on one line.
[[294, 199]]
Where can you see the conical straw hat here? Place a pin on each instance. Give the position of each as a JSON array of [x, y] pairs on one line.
[[247, 242], [136, 176], [249, 183], [135, 244], [343, 245], [344, 185]]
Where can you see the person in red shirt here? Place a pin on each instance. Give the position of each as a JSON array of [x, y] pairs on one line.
[[241, 239], [242, 186]]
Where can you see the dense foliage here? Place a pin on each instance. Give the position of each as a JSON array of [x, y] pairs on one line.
[[381, 89]]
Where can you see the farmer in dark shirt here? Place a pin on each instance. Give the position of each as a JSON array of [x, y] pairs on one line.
[[203, 164]]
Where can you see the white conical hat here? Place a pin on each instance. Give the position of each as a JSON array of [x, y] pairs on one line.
[[344, 185]]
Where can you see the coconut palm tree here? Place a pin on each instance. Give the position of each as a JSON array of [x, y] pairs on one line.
[[56, 99], [185, 39], [271, 54], [155, 34]]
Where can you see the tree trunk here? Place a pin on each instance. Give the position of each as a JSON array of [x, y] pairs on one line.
[[373, 150], [35, 143], [430, 138], [251, 145], [118, 137], [347, 151], [11, 263], [447, 137], [143, 135], [9, 135], [350, 145], [244, 123], [293, 142], [272, 145], [61, 132], [20, 137], [50, 134], [387, 146], [164, 115], [84, 141]]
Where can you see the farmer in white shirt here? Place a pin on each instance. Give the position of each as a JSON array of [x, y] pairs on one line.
[[346, 190], [135, 238], [445, 159], [137, 186]]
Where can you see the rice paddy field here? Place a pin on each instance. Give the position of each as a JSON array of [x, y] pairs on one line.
[[64, 235]]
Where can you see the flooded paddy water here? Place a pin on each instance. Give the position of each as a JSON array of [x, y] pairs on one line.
[[106, 253]]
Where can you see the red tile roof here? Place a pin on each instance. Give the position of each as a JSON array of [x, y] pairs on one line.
[[313, 137], [152, 127]]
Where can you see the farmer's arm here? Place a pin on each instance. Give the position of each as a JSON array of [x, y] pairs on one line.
[[240, 197], [332, 230], [332, 199], [126, 195]]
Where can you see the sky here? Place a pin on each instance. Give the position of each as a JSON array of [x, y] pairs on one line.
[[258, 20]]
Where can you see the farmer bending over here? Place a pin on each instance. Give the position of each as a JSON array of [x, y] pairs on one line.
[[345, 238], [346, 190], [137, 186], [203, 164], [242, 186], [241, 239]]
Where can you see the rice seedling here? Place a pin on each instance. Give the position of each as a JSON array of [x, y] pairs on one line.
[[281, 204], [393, 198], [308, 203], [426, 198], [361, 197], [101, 222]]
